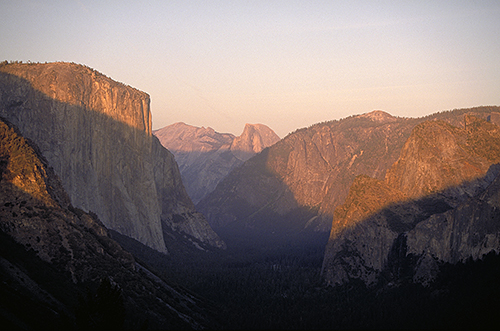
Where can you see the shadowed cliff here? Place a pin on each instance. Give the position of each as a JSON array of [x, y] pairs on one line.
[[296, 184], [96, 134], [438, 204], [54, 256]]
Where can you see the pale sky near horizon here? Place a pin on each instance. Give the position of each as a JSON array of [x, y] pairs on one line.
[[286, 64]]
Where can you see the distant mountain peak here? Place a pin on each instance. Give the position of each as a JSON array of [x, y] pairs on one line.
[[181, 137], [205, 156], [254, 139]]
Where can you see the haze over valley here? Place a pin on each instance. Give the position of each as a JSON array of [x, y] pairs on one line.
[[258, 165], [205, 156]]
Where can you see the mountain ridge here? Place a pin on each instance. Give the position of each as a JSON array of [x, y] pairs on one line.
[[206, 156]]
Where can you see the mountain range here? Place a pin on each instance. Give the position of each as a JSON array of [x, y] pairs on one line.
[[312, 169], [90, 199], [205, 156]]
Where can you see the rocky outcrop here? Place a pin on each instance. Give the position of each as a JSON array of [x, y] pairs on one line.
[[52, 255], [439, 155], [206, 156], [429, 209], [96, 134]]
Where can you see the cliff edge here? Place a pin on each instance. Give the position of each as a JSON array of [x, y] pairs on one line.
[[96, 134]]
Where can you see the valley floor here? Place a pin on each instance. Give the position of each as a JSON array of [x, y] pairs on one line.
[[282, 288]]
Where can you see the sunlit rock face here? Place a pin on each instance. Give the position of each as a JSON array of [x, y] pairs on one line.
[[96, 134], [438, 203], [439, 155], [301, 180], [309, 170], [206, 156]]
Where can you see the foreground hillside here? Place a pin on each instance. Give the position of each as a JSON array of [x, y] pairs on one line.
[[205, 156], [96, 134], [59, 267]]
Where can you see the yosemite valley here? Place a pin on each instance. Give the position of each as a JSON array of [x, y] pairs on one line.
[[370, 221]]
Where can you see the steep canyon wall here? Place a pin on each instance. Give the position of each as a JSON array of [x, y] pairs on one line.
[[438, 203], [96, 134]]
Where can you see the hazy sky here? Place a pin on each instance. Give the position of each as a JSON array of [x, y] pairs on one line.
[[286, 64]]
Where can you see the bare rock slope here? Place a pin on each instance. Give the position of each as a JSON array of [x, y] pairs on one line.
[[438, 203], [96, 134]]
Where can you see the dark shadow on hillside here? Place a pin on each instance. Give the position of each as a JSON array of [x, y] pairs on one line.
[[284, 291], [122, 179], [36, 292], [53, 257], [258, 227], [463, 290], [449, 226]]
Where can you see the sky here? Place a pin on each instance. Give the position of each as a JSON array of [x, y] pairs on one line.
[[286, 64]]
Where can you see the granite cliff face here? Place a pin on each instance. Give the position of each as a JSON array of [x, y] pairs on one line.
[[205, 156], [96, 134], [298, 182], [439, 155], [438, 203], [52, 253], [253, 140], [296, 185]]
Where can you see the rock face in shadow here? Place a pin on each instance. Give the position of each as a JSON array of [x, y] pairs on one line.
[[96, 134], [205, 156], [470, 230], [52, 255], [312, 168], [299, 181], [438, 203]]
